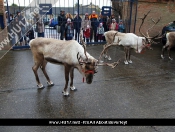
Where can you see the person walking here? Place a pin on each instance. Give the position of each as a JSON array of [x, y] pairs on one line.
[[94, 24], [62, 22], [77, 25]]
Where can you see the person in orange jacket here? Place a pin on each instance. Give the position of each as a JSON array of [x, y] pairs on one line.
[[94, 24]]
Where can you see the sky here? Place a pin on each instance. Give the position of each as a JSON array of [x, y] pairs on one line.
[[62, 3]]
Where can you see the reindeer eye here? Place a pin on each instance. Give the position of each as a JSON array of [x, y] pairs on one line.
[[87, 67]]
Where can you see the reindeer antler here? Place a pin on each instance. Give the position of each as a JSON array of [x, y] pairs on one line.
[[114, 64], [147, 32], [83, 44]]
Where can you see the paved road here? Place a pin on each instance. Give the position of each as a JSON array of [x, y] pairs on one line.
[[144, 89]]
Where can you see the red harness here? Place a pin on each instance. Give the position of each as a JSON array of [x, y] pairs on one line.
[[88, 71]]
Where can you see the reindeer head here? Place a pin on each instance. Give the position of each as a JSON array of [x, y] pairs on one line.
[[89, 65]]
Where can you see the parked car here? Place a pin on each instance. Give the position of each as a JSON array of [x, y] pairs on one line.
[[169, 28], [53, 22]]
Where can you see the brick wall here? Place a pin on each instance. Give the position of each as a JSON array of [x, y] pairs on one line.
[[157, 10]]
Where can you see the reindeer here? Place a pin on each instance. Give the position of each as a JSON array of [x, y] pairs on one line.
[[130, 40], [169, 44], [68, 53]]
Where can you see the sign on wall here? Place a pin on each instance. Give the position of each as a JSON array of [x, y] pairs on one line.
[[106, 11], [46, 9]]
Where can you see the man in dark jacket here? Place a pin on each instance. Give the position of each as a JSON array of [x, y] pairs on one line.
[[77, 25], [62, 22], [94, 24]]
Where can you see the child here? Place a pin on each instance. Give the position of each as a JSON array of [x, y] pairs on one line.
[[121, 27], [69, 30], [87, 33], [114, 25], [100, 32]]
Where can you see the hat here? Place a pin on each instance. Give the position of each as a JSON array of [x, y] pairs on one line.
[[121, 21], [61, 10], [113, 19], [6, 12], [101, 24], [86, 14]]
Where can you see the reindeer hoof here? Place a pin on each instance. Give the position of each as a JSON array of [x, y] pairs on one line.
[[106, 56], [50, 83], [40, 86], [109, 58], [126, 63], [162, 57], [73, 88], [65, 93], [130, 61], [170, 58]]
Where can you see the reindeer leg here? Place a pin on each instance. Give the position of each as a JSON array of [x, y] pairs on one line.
[[163, 51], [35, 68], [43, 68], [126, 55], [169, 54], [72, 77], [129, 55], [67, 71], [105, 52]]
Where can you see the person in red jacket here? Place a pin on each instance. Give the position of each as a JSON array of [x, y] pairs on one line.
[[87, 33]]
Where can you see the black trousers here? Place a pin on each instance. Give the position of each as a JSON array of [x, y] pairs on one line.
[[93, 33]]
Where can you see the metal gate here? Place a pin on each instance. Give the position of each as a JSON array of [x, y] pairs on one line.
[[126, 10]]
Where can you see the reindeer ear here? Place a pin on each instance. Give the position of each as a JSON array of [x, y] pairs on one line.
[[143, 39]]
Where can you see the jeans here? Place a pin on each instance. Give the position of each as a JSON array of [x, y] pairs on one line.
[[62, 31], [41, 34]]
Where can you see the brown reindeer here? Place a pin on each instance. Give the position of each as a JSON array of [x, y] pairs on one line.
[[169, 44], [68, 53]]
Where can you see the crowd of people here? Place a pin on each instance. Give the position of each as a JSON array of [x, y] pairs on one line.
[[19, 29], [92, 25]]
